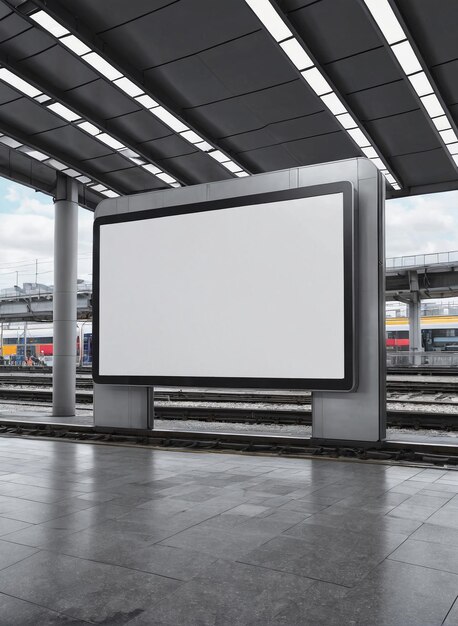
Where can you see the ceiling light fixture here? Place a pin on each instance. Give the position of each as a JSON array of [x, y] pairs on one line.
[[412, 67], [270, 18], [49, 24], [132, 89], [315, 79], [63, 111]]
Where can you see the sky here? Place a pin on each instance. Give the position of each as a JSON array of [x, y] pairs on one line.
[[415, 225]]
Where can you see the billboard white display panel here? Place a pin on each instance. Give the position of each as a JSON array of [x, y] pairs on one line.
[[248, 292]]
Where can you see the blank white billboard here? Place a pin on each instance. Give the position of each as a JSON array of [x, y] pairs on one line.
[[252, 292]]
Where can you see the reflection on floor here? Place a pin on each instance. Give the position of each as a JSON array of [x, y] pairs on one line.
[[119, 535]]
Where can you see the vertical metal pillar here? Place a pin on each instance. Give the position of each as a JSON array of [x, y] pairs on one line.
[[415, 345], [150, 417], [65, 292]]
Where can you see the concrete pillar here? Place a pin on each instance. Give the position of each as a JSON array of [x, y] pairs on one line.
[[65, 293], [415, 346]]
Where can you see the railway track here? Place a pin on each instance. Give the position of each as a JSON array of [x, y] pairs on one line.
[[297, 415], [394, 386], [85, 395]]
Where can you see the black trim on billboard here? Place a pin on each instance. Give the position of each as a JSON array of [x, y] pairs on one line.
[[347, 383]]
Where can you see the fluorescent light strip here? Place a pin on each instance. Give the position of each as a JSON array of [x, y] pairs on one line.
[[18, 83], [49, 24], [412, 68], [315, 79], [70, 116], [63, 111], [270, 18], [136, 92], [296, 53], [56, 165]]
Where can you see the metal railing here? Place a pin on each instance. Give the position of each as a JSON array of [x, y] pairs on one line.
[[428, 309], [422, 359], [420, 260]]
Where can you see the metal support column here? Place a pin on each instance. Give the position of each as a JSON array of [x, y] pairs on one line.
[[415, 345], [65, 293]]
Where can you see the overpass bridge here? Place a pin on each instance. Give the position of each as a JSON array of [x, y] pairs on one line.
[[409, 279], [432, 275], [34, 303]]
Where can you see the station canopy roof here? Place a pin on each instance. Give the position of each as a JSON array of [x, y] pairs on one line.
[[130, 96]]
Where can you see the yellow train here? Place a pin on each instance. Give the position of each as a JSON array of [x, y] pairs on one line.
[[438, 333]]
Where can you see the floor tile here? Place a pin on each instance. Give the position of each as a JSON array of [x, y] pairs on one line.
[[398, 594], [15, 612], [11, 553], [326, 554], [230, 594], [83, 589], [8, 525], [427, 554]]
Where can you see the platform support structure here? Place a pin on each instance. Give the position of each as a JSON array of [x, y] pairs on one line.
[[414, 300], [65, 294]]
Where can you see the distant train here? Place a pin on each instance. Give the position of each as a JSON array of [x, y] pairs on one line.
[[36, 343], [438, 333]]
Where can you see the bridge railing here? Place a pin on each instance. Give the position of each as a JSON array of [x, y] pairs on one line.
[[419, 260], [422, 359]]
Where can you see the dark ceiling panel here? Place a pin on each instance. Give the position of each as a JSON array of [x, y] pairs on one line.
[[12, 25], [424, 168], [251, 140], [197, 167], [168, 147], [366, 70], [453, 108], [258, 109], [4, 11], [446, 76], [434, 27], [8, 94], [181, 29], [74, 142], [283, 102], [224, 118], [60, 67], [383, 101], [188, 82], [323, 148], [108, 163], [402, 134], [103, 99], [290, 130], [133, 180], [28, 43], [248, 64], [293, 5], [299, 128], [337, 29], [104, 14], [140, 125], [242, 66], [270, 159], [30, 117]]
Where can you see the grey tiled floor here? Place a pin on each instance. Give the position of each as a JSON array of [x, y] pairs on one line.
[[113, 535]]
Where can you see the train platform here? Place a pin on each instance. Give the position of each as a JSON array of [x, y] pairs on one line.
[[119, 535]]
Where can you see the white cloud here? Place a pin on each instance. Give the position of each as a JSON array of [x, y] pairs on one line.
[[422, 224], [27, 233]]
